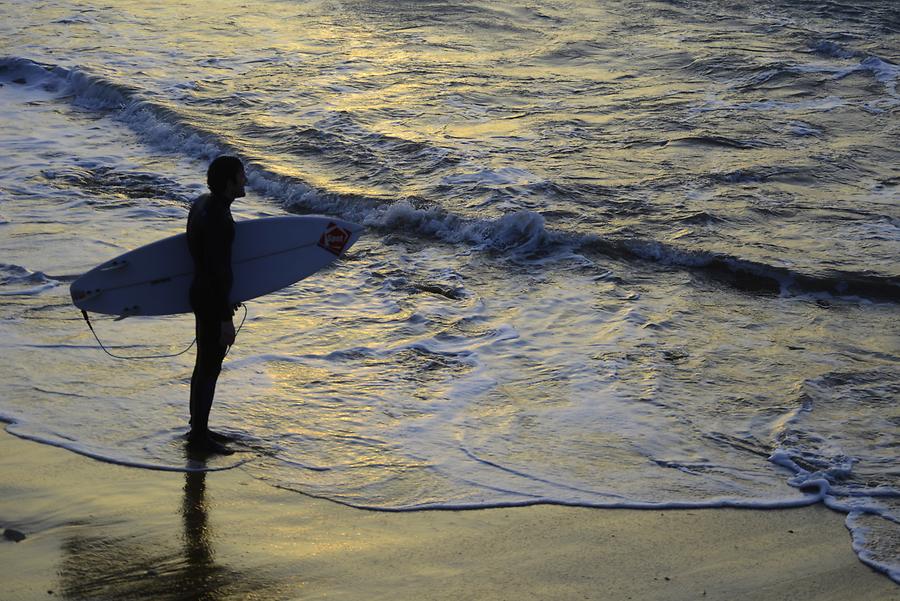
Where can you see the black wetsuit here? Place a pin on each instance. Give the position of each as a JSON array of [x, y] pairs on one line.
[[210, 234]]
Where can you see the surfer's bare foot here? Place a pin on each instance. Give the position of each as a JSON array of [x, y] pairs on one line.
[[204, 443], [219, 437]]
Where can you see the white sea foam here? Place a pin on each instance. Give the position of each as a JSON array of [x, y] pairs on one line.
[[28, 291], [105, 455], [820, 104], [505, 176], [883, 72], [16, 280], [873, 544]]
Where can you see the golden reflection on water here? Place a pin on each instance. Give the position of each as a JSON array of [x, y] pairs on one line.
[[198, 547], [134, 566]]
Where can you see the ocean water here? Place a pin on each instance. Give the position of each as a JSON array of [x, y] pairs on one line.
[[622, 254]]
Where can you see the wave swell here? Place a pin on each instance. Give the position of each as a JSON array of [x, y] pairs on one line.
[[521, 234]]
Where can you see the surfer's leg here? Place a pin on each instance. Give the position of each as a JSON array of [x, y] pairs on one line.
[[210, 355], [198, 375], [203, 388]]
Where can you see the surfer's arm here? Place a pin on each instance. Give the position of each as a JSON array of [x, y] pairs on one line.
[[226, 333], [218, 255]]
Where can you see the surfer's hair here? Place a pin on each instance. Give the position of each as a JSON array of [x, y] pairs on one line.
[[222, 170]]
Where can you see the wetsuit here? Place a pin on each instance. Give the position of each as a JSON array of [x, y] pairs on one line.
[[210, 234]]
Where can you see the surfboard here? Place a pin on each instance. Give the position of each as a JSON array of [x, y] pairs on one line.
[[268, 254]]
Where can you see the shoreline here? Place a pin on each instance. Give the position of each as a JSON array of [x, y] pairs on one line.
[[99, 530]]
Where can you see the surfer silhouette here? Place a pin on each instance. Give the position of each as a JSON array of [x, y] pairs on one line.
[[210, 234]]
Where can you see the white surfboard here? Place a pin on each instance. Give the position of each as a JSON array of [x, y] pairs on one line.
[[268, 254]]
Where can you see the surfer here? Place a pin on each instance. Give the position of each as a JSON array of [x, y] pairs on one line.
[[210, 233]]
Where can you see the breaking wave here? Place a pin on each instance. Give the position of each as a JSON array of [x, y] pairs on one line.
[[519, 233]]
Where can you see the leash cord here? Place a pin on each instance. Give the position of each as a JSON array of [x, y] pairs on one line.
[[114, 356]]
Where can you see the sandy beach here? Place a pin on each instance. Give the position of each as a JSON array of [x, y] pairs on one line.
[[101, 531]]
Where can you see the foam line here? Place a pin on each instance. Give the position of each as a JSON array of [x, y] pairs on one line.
[[858, 541], [805, 501], [75, 448]]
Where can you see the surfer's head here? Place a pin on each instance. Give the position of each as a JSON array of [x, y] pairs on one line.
[[225, 177]]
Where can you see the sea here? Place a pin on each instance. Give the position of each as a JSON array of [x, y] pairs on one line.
[[617, 254]]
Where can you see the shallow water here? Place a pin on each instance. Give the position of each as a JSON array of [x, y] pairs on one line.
[[634, 255]]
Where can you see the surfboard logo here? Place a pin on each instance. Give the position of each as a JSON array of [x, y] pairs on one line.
[[334, 239]]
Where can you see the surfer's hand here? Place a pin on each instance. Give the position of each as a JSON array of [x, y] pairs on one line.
[[227, 335]]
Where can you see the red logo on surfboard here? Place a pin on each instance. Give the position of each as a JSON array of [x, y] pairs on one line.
[[334, 239]]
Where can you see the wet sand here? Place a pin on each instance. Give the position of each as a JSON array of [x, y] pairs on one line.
[[101, 531]]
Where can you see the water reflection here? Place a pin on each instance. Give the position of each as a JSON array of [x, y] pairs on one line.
[[202, 575], [152, 565]]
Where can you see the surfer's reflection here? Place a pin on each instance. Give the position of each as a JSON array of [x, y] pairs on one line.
[[200, 566], [119, 563]]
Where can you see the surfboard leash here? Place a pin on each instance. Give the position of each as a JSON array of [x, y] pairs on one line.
[[193, 342]]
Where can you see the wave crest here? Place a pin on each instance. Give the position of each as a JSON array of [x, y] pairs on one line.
[[518, 233]]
